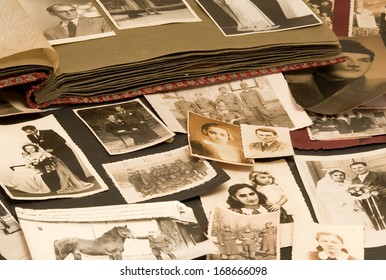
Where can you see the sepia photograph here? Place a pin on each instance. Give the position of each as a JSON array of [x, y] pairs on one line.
[[64, 21], [124, 127], [367, 18], [266, 141], [215, 140], [348, 189], [324, 9], [313, 241], [264, 100], [44, 163], [146, 231], [342, 86], [12, 242], [240, 17], [271, 186], [159, 175], [126, 14], [244, 237], [356, 123]]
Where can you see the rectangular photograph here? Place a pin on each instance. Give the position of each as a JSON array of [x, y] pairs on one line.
[[314, 241], [159, 175], [244, 237], [126, 14], [348, 189], [12, 242], [145, 231], [64, 21], [42, 162], [124, 127], [215, 140], [356, 123], [264, 100], [241, 17], [367, 18], [266, 141], [273, 188]]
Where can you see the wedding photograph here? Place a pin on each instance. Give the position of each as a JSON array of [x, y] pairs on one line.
[[44, 163], [348, 189]]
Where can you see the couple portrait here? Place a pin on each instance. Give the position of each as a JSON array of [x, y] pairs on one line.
[[349, 189], [43, 165]]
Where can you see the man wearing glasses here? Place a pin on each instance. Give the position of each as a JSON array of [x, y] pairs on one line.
[[71, 25]]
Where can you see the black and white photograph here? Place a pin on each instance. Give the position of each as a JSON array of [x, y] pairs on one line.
[[266, 141], [145, 231], [215, 140], [324, 9], [313, 241], [272, 188], [340, 87], [356, 123], [264, 100], [124, 127], [244, 237], [67, 21], [240, 17], [12, 242], [348, 189], [159, 175], [42, 162], [126, 14], [367, 18]]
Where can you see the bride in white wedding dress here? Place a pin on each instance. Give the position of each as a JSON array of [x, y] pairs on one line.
[[247, 15]]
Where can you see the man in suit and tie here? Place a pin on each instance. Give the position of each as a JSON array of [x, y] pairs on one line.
[[56, 145], [71, 25], [377, 179], [268, 142]]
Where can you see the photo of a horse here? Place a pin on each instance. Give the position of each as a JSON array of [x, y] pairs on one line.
[[110, 244]]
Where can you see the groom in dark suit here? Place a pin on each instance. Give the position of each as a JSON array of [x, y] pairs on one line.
[[378, 179], [55, 144]]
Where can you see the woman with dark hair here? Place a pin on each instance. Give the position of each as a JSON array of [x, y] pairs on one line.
[[217, 146], [245, 199], [264, 182], [330, 247], [42, 162], [339, 206], [28, 178]]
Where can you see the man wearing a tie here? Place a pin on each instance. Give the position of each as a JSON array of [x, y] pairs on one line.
[[71, 25], [267, 141]]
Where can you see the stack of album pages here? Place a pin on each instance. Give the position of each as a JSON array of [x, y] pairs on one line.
[[184, 44]]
